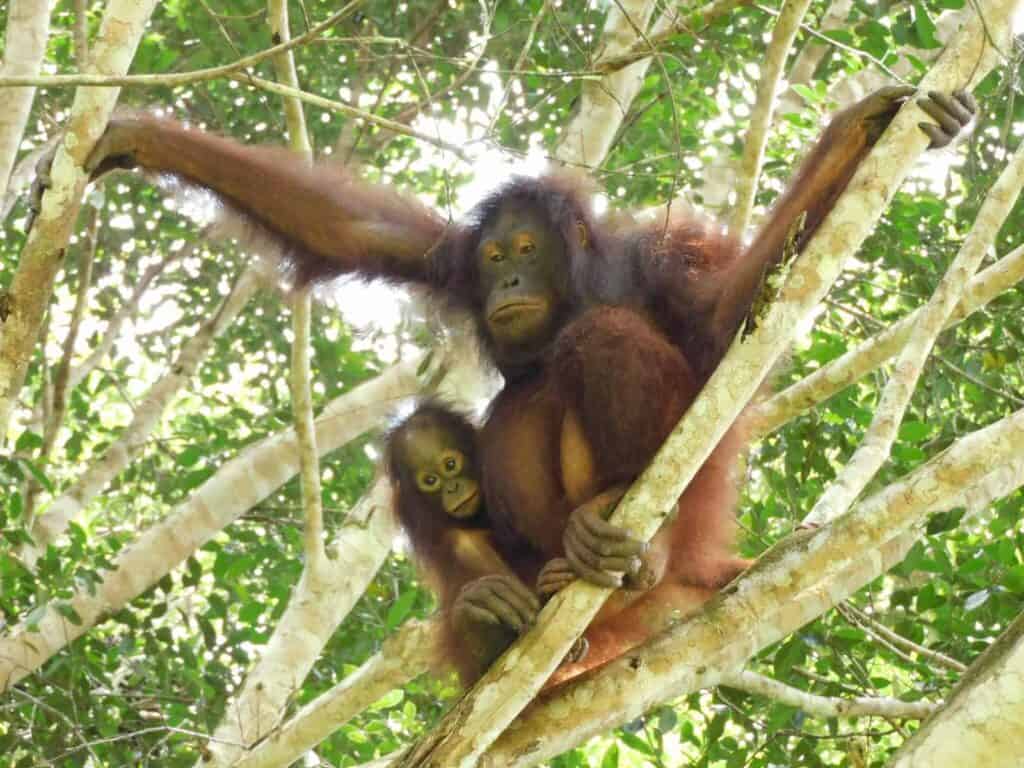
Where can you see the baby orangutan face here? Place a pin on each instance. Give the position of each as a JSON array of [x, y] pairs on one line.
[[441, 469]]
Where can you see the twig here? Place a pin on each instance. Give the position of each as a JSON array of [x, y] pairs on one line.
[[896, 641], [184, 78]]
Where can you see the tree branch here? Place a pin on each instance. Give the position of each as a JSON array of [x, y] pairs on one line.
[[42, 256], [827, 706], [880, 435], [239, 485], [982, 722], [783, 34], [848, 368]]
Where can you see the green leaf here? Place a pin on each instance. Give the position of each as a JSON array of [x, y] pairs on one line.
[[792, 652], [924, 27], [915, 431], [28, 442], [1014, 579], [611, 757], [388, 700], [68, 612], [399, 609], [190, 455], [634, 742], [806, 94]]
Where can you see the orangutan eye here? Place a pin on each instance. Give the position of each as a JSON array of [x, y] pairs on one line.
[[497, 256], [428, 482], [527, 248], [451, 463]]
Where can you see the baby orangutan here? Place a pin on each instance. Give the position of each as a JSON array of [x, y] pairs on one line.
[[432, 460]]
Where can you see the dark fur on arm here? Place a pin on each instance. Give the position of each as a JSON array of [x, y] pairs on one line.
[[627, 383], [701, 280], [330, 222]]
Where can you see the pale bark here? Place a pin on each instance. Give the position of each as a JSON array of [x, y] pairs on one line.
[[811, 54], [514, 680], [240, 484], [878, 438], [120, 31], [792, 584], [603, 104], [54, 400], [22, 175], [299, 380], [146, 417], [318, 604], [828, 706], [28, 23], [786, 26], [404, 655], [673, 24], [313, 612], [851, 366], [983, 722]]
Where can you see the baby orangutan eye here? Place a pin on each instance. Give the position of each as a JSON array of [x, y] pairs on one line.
[[451, 463], [428, 482]]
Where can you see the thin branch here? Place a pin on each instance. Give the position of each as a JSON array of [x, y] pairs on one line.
[[58, 394], [885, 635], [691, 22], [878, 438], [184, 78], [520, 60], [340, 107], [406, 654], [851, 366], [783, 35], [302, 398], [828, 706]]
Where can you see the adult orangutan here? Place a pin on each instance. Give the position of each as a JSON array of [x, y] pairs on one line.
[[605, 329]]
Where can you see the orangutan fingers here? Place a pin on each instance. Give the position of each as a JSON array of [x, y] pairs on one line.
[[935, 110], [479, 615], [938, 138], [957, 105], [592, 575], [605, 538]]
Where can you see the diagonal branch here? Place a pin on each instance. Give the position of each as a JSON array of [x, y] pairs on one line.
[[239, 484], [880, 435], [783, 35], [29, 294], [848, 368], [792, 584]]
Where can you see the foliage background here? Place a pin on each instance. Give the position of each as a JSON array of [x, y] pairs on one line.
[[145, 686]]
